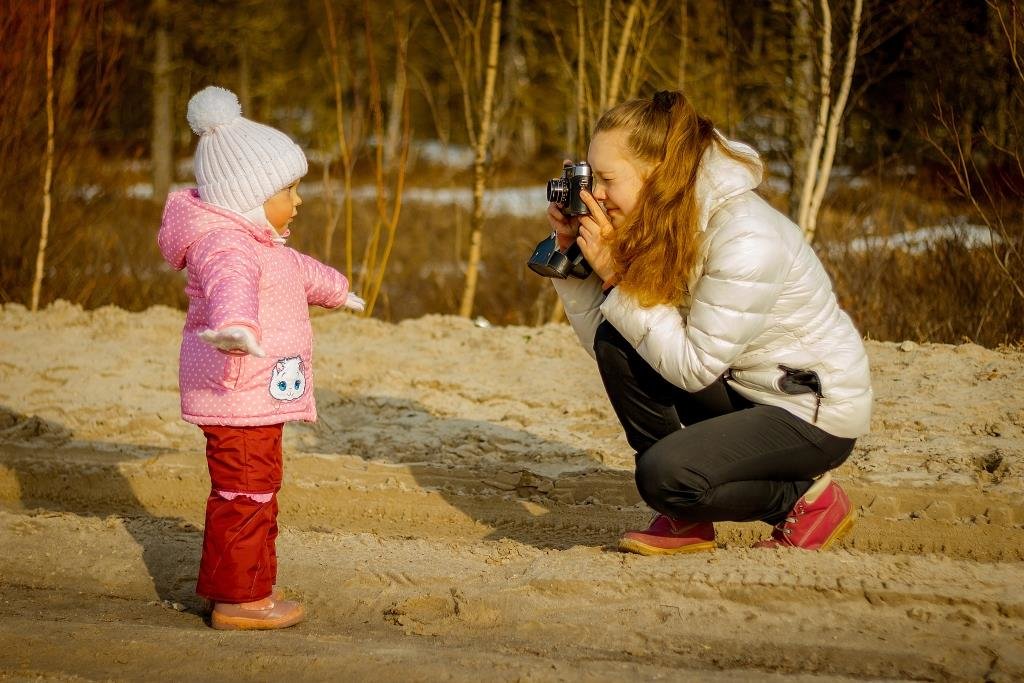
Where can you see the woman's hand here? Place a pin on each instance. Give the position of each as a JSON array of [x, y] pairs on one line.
[[563, 226], [595, 231]]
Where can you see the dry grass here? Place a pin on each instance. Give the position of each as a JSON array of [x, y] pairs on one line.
[[946, 291], [104, 252]]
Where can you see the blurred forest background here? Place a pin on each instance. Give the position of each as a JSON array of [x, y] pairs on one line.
[[890, 128]]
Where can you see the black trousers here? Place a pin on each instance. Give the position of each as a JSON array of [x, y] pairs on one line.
[[711, 456]]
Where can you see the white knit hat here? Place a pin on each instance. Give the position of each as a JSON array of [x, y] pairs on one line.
[[239, 164]]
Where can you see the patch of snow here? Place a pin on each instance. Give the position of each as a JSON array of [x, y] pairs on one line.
[[969, 235]]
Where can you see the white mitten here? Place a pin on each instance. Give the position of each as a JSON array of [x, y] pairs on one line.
[[233, 339], [355, 303]]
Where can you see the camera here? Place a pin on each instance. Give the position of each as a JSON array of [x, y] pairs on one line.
[[565, 191], [547, 260]]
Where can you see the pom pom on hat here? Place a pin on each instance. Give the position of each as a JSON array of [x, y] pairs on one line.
[[212, 107], [239, 163]]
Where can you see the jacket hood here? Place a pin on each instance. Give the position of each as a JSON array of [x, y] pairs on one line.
[[187, 218], [721, 177]]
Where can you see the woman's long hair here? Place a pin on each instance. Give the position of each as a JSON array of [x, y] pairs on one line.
[[656, 252]]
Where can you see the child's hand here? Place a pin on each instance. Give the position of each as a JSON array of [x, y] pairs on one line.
[[354, 303], [233, 339]]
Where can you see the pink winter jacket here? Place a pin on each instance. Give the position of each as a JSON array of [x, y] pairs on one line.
[[238, 275]]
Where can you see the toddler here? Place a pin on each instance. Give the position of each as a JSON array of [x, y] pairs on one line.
[[246, 349]]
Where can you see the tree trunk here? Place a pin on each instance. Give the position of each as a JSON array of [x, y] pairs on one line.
[[801, 117], [711, 58], [824, 105], [162, 142], [572, 124], [684, 35], [602, 75], [640, 53], [44, 226], [519, 91], [75, 41], [834, 123], [396, 104], [479, 163], [757, 30], [245, 78], [582, 115], [620, 56], [344, 144]]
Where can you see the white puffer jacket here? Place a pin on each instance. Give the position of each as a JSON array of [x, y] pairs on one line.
[[762, 312]]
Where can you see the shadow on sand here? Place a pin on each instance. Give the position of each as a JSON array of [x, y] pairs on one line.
[[37, 451], [468, 462]]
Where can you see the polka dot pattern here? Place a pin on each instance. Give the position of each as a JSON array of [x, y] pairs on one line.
[[239, 276]]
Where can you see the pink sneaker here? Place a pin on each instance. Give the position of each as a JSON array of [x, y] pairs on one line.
[[206, 605], [276, 614], [666, 536], [819, 518]]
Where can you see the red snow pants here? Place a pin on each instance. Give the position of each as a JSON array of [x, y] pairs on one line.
[[239, 562]]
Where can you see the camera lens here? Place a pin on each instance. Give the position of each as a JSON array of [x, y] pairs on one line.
[[558, 191]]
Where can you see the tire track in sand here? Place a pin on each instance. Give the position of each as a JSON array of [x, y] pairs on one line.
[[590, 508], [828, 614]]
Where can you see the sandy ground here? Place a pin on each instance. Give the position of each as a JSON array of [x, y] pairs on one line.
[[453, 517]]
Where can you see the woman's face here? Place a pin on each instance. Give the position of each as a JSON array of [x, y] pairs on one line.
[[618, 174]]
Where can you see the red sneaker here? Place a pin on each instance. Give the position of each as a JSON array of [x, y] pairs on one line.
[[666, 536], [819, 518]]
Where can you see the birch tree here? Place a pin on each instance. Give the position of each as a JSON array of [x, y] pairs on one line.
[[44, 227], [162, 140], [830, 115], [801, 114], [684, 43], [349, 131], [618, 58], [477, 77], [385, 225]]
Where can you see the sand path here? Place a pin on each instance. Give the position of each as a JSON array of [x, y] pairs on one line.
[[452, 516]]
